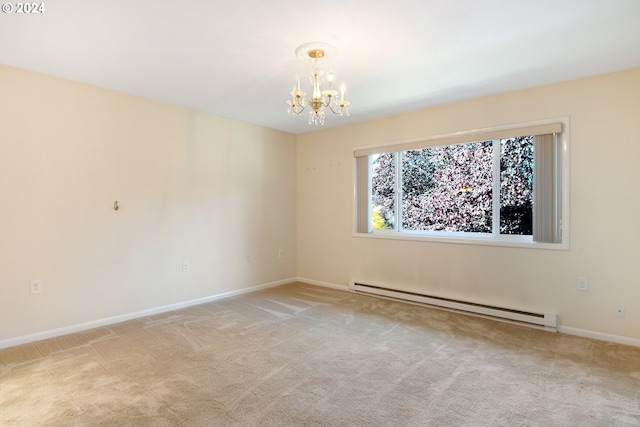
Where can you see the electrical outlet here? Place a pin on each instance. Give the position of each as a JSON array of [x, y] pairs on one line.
[[619, 310], [583, 284], [36, 286], [280, 253], [186, 266]]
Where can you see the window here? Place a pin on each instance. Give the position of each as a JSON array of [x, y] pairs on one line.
[[504, 189]]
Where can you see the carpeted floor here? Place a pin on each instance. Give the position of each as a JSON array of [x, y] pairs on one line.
[[299, 355]]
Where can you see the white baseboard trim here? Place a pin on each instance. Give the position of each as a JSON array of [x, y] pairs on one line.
[[618, 339], [324, 284], [12, 342]]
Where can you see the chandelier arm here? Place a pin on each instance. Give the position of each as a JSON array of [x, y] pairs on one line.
[[297, 104], [334, 111], [300, 102], [296, 109]]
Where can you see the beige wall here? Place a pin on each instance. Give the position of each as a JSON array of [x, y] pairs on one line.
[[604, 115], [191, 186], [217, 192]]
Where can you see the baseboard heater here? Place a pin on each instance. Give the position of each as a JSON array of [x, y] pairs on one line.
[[537, 320]]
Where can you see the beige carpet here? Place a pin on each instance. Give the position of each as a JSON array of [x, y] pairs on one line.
[[300, 355]]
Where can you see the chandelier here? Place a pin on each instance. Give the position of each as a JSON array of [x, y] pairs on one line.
[[320, 100]]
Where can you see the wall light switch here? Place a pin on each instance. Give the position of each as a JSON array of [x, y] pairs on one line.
[[186, 266]]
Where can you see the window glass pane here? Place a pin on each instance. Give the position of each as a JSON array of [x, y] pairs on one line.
[[448, 188], [516, 185], [383, 183]]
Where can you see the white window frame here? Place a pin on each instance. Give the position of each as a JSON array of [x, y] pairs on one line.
[[487, 239]]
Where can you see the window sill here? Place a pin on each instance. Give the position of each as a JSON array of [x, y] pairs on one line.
[[460, 240]]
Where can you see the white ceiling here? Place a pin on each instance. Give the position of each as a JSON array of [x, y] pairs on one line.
[[237, 58]]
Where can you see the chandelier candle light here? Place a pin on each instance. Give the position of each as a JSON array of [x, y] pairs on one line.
[[320, 99]]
